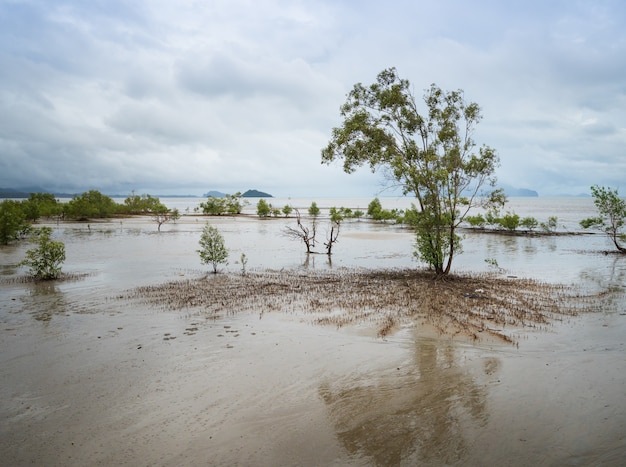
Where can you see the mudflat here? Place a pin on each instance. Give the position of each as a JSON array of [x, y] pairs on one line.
[[142, 358]]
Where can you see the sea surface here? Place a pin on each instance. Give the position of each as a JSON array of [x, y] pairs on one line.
[[563, 258]]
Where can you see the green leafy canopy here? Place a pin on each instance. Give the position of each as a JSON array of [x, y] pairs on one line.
[[430, 154]]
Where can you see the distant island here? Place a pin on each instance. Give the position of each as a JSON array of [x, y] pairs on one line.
[[213, 194], [256, 194], [24, 192], [523, 192], [247, 194]]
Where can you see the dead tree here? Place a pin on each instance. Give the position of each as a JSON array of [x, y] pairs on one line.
[[331, 236], [302, 232]]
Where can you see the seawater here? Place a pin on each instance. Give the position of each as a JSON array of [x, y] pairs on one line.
[[131, 251], [568, 210]]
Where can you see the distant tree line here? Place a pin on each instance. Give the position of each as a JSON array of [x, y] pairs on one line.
[[17, 217]]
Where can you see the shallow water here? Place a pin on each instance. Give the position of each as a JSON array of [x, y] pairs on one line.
[[89, 379]]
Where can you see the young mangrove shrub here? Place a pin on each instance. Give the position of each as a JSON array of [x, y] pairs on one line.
[[477, 221], [314, 211], [346, 213], [91, 204], [263, 208], [529, 223], [492, 263], [41, 205], [212, 247], [13, 223], [550, 225], [136, 204], [214, 206], [509, 221], [45, 260], [612, 210], [287, 210], [408, 217], [376, 212], [244, 262], [218, 205], [161, 214]]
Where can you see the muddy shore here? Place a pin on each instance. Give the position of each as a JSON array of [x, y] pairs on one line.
[[95, 371]]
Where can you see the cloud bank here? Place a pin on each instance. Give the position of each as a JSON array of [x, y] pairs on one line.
[[186, 97]]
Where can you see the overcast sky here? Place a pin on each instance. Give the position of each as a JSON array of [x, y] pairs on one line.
[[173, 97]]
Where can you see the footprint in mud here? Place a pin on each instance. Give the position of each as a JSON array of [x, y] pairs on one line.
[[168, 336]]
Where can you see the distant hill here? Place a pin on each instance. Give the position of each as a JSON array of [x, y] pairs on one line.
[[24, 192], [523, 192], [256, 194], [213, 194]]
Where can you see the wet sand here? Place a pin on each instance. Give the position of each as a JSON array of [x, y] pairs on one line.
[[89, 378]]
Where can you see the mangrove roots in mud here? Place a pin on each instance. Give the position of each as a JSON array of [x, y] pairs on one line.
[[468, 305]]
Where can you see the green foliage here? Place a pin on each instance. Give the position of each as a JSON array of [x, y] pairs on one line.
[[144, 204], [174, 215], [409, 217], [214, 206], [212, 247], [287, 210], [91, 204], [346, 212], [550, 225], [476, 221], [612, 210], [492, 262], [376, 212], [13, 223], [234, 205], [161, 214], [336, 215], [492, 217], [509, 221], [529, 223], [217, 206], [263, 208], [314, 210], [45, 260], [374, 208], [41, 205], [431, 155]]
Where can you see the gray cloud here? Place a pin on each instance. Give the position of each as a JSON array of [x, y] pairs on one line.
[[190, 96]]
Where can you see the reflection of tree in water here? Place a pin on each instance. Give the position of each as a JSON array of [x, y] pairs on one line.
[[410, 417], [608, 281], [44, 301]]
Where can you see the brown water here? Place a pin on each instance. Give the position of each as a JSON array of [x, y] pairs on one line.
[[88, 379]]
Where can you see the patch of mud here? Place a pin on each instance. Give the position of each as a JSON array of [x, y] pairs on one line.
[[469, 306], [63, 277]]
